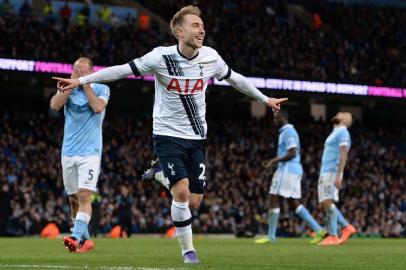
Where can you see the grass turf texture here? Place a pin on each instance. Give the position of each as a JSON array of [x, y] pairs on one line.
[[154, 253]]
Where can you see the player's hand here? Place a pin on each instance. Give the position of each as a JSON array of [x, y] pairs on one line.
[[339, 181], [268, 163], [65, 84], [265, 163], [275, 103], [59, 86]]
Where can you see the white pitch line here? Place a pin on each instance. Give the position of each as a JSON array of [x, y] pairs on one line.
[[40, 266], [136, 268], [30, 266]]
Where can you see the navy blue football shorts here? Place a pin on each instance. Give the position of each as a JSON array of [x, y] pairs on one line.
[[182, 158]]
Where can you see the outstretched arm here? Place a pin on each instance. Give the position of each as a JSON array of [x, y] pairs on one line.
[[243, 85], [105, 75]]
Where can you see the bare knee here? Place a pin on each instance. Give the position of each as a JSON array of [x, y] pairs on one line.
[[73, 200], [183, 195], [180, 191], [274, 201], [326, 204], [294, 204], [74, 205], [84, 196]]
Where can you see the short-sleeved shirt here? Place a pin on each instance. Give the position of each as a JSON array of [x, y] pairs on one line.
[[83, 127], [331, 153], [288, 139]]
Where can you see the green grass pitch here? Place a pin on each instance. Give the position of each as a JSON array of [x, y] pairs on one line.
[[151, 253]]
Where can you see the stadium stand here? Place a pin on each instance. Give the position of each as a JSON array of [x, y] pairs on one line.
[[350, 50], [236, 201]]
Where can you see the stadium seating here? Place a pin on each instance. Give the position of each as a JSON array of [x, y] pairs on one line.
[[237, 186], [265, 40], [361, 44]]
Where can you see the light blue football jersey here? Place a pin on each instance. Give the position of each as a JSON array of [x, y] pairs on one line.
[[83, 127], [331, 153], [289, 138]]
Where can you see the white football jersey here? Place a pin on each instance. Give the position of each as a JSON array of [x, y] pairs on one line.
[[180, 88]]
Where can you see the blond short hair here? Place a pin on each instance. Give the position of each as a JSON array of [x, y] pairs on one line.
[[177, 19], [87, 60]]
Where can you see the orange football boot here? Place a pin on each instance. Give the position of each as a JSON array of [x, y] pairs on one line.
[[71, 244], [87, 246], [330, 241], [347, 232]]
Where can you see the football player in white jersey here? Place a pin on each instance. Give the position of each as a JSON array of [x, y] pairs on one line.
[[84, 109], [182, 73]]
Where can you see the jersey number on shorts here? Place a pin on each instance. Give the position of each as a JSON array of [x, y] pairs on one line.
[[202, 177], [328, 190], [90, 175]]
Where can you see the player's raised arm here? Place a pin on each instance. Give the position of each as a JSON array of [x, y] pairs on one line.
[[105, 75], [59, 100], [61, 97], [97, 103], [243, 85], [139, 66]]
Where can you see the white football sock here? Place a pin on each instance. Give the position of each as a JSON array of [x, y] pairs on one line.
[[182, 218]]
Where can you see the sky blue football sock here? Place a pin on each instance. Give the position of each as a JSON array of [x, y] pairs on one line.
[[86, 234], [341, 219], [332, 220], [302, 212], [80, 229], [273, 223]]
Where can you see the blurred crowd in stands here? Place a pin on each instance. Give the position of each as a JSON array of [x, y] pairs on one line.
[[352, 43], [236, 201], [343, 43], [62, 38]]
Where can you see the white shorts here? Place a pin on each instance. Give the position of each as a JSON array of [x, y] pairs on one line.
[[80, 173], [286, 184], [326, 187]]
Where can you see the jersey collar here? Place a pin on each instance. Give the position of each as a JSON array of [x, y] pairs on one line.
[[285, 126], [177, 48], [340, 127]]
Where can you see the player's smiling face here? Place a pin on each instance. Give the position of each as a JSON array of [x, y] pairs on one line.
[[192, 31]]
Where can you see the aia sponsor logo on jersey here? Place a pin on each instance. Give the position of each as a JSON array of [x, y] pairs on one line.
[[189, 86]]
